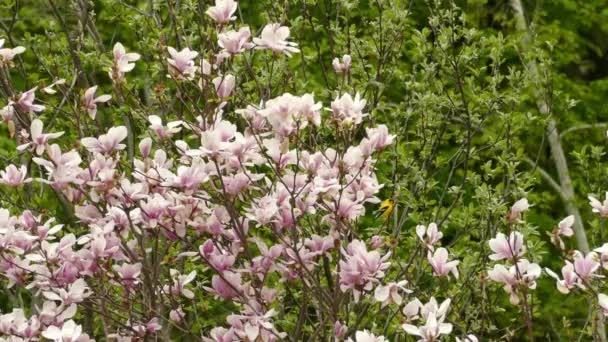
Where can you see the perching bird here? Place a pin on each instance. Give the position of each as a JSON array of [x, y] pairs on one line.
[[385, 209]]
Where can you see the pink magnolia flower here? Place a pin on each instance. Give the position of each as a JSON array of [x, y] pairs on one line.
[[524, 273], [565, 226], [163, 132], [123, 62], [468, 338], [235, 42], [288, 113], [377, 138], [274, 37], [430, 331], [219, 334], [228, 286], [429, 236], [264, 211], [181, 64], [570, 278], [340, 330], [360, 268], [76, 293], [440, 310], [320, 245], [518, 208], [7, 113], [603, 251], [441, 265], [50, 88], [223, 11], [412, 309], [585, 266], [507, 249], [389, 294], [14, 177], [224, 85], [25, 103], [602, 300], [107, 142], [68, 332], [434, 316], [128, 273], [366, 336], [39, 140], [348, 111], [145, 147], [177, 315], [341, 67], [7, 54], [90, 101], [63, 168], [600, 208], [179, 284]]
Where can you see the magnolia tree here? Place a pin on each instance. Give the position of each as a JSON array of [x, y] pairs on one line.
[[235, 195]]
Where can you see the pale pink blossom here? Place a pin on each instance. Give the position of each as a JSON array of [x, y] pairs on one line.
[[411, 310], [348, 111], [287, 114], [585, 266], [264, 210], [600, 208], [224, 85], [274, 37], [389, 293], [430, 331], [90, 101], [39, 140], [340, 330], [145, 147], [235, 42], [26, 104], [68, 332], [227, 286], [163, 132], [602, 300], [177, 315], [565, 226], [76, 293], [360, 268], [50, 88], [181, 64], [179, 284], [366, 336], [341, 67], [377, 138], [570, 278], [123, 62], [7, 54], [507, 249], [128, 273], [603, 251], [440, 264], [429, 236], [524, 273], [107, 142], [14, 177], [223, 11], [517, 209]]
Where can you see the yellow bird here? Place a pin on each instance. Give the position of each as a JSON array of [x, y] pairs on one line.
[[385, 209]]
